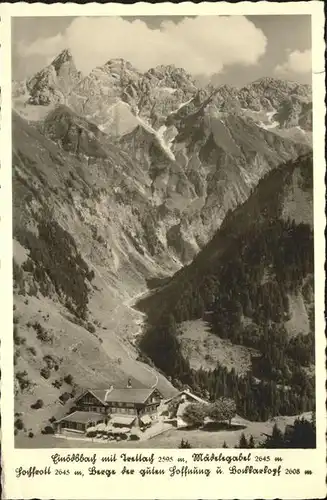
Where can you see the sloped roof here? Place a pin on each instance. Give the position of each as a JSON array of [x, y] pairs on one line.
[[123, 419], [82, 417], [129, 395], [193, 396], [125, 395], [99, 394], [189, 394]]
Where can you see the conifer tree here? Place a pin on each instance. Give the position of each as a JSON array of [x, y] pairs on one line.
[[243, 442]]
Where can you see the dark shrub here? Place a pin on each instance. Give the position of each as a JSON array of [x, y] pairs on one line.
[[16, 336], [48, 429], [32, 292], [64, 397], [38, 404], [18, 276], [30, 434], [24, 382], [42, 333], [50, 361], [68, 379], [32, 350], [134, 437], [16, 356], [184, 444], [57, 384], [90, 327], [19, 424], [45, 372]]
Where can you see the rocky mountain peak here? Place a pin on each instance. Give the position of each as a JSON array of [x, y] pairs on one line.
[[63, 58], [119, 92], [266, 81], [119, 61], [119, 66], [171, 76], [52, 84]]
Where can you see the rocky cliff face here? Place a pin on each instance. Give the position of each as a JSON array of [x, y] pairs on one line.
[[114, 94], [201, 151], [277, 217], [84, 240], [202, 163], [281, 106]]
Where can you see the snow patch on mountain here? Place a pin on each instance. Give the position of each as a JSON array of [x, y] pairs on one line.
[[159, 135]]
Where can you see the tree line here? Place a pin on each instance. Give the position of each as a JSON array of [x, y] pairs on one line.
[[256, 399]]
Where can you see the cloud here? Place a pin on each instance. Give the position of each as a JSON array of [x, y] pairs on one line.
[[46, 47], [202, 45], [297, 62]]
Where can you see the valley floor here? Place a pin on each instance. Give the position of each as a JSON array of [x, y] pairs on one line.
[[171, 438]]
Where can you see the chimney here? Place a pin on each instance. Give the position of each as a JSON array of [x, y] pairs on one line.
[[107, 392], [129, 384]]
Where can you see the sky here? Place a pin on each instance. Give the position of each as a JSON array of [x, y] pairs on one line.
[[222, 49]]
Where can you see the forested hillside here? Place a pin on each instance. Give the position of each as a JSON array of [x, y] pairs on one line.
[[242, 283]]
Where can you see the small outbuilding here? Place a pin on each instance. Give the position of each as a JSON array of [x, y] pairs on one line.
[[78, 421]]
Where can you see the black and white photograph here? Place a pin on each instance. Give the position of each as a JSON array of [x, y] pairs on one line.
[[163, 232]]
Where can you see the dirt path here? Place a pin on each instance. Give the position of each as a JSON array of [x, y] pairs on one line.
[[129, 303]]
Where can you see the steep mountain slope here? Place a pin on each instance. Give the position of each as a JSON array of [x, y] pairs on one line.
[[281, 106], [202, 163], [198, 161], [282, 195], [78, 261], [202, 151], [270, 93], [99, 96], [248, 284]]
